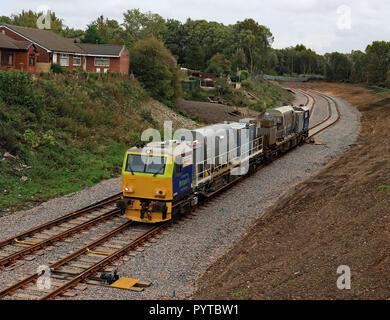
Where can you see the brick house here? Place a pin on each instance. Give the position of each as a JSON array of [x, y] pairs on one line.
[[20, 55], [68, 53]]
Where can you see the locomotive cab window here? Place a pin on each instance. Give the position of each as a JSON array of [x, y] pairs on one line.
[[145, 164]]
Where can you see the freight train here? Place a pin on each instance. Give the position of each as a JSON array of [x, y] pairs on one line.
[[164, 178]]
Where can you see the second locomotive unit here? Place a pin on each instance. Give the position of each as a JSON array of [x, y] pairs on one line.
[[158, 181]]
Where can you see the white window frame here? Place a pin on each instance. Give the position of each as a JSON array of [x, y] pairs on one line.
[[64, 56], [75, 64], [102, 62]]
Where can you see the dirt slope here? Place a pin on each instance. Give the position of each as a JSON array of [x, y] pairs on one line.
[[339, 217], [210, 113], [162, 113]]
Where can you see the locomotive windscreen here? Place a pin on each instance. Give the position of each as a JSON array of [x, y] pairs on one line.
[[145, 164]]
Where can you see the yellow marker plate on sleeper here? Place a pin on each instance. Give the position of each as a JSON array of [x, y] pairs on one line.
[[124, 283]]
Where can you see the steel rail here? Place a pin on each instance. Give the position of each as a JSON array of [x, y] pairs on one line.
[[329, 100], [103, 263], [21, 284], [327, 117], [44, 243], [69, 216]]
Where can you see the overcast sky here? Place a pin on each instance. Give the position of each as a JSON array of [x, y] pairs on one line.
[[323, 25]]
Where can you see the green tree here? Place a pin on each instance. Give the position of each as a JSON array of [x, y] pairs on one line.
[[218, 64], [110, 30], [174, 39], [72, 33], [194, 57], [139, 25], [378, 62], [92, 35], [29, 19], [338, 66], [238, 59], [5, 19], [153, 64], [359, 66], [256, 42]]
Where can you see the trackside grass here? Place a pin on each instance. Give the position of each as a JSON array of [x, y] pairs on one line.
[[61, 133]]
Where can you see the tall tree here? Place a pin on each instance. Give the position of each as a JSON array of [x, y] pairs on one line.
[[338, 66], [139, 25], [92, 35], [110, 30], [256, 42], [378, 62], [153, 64], [30, 18], [359, 66], [218, 64]]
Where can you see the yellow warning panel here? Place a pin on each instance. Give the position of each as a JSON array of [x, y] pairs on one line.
[[124, 283]]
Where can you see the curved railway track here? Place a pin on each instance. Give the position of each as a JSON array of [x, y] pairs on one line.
[[97, 255], [332, 118], [311, 103]]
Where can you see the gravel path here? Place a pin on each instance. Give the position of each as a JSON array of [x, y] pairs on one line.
[[181, 256]]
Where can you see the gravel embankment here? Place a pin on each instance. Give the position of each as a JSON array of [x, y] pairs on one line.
[[181, 256]]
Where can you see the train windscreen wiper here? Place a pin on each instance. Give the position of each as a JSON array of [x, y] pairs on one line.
[[155, 174]]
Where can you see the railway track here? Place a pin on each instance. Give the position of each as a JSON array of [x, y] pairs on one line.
[[310, 101], [332, 118], [83, 265], [329, 120], [53, 232]]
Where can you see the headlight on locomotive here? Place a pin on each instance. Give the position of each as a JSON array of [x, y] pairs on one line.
[[160, 193]]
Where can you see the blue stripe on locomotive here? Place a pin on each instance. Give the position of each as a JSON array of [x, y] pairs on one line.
[[182, 182]]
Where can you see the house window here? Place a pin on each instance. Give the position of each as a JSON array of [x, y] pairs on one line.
[[7, 58], [76, 60], [64, 60], [102, 62], [31, 60]]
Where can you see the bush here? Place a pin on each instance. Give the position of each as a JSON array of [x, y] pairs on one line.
[[247, 84], [222, 86], [56, 68], [244, 75], [31, 138], [154, 66]]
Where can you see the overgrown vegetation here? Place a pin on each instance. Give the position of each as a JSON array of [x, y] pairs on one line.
[[255, 94], [155, 67], [61, 133]]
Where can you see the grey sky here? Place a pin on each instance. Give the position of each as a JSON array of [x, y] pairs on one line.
[[316, 23]]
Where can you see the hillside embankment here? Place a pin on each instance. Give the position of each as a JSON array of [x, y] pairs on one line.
[[62, 133]]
